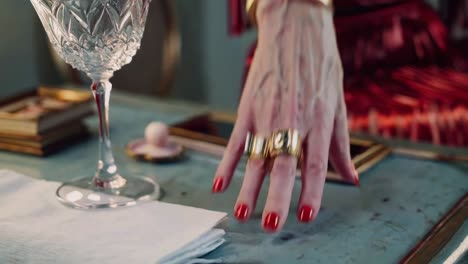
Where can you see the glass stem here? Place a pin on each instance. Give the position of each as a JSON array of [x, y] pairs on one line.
[[107, 170]]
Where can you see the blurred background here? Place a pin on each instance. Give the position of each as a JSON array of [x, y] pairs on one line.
[[411, 51], [211, 61]]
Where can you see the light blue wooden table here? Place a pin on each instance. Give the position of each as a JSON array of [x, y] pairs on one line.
[[398, 202]]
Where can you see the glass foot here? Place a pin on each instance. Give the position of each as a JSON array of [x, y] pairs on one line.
[[85, 194]]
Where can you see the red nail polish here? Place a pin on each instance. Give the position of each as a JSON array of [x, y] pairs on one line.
[[356, 176], [217, 185], [356, 182], [356, 179], [305, 214], [271, 222], [242, 211]]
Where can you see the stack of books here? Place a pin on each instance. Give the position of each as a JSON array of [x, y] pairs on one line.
[[44, 120]]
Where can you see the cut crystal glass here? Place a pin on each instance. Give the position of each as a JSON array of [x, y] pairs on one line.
[[98, 37]]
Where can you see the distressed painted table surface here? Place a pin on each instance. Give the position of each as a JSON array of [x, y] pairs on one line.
[[399, 200]]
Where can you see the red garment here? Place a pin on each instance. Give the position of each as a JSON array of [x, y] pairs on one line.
[[458, 14], [238, 20], [406, 33], [344, 5]]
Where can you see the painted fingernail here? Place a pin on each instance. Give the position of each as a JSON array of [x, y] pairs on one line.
[[356, 179], [242, 211], [217, 185], [305, 214], [271, 222], [356, 182]]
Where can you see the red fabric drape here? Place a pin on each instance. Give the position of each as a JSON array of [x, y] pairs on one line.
[[458, 21], [405, 33], [238, 20]]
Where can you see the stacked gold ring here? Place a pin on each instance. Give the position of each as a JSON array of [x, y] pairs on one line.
[[256, 147], [285, 142], [281, 142]]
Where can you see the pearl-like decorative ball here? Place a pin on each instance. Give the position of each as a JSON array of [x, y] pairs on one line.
[[157, 134]]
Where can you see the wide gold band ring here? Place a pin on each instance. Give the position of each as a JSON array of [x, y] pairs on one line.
[[256, 147], [285, 142]]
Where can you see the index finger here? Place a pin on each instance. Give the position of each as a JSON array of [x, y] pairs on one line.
[[232, 153]]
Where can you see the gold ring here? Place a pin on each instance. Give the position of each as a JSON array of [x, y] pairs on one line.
[[256, 147], [285, 142]]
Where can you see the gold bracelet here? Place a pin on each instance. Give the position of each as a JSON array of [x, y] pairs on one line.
[[251, 7]]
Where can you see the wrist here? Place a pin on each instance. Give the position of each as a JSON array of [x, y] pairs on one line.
[[274, 16], [259, 9]]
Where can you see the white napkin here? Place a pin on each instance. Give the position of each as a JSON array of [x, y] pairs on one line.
[[36, 228]]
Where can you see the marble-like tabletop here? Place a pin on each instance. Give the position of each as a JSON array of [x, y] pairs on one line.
[[399, 201]]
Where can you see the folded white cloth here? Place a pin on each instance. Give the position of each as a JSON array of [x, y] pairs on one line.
[[36, 228]]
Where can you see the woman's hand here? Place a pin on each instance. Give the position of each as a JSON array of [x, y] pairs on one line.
[[295, 82]]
